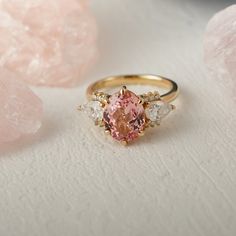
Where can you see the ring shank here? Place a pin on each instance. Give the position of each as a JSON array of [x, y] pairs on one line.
[[153, 80]]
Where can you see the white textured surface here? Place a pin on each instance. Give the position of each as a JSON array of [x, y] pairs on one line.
[[178, 180]]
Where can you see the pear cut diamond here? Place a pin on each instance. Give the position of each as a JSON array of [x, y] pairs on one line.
[[94, 110], [156, 111]]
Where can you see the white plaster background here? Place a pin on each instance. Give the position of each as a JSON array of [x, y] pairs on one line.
[[180, 179]]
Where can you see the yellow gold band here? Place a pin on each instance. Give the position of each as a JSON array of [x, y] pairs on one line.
[[153, 80]]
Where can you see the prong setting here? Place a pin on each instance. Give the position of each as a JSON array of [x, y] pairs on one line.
[[123, 90], [124, 142]]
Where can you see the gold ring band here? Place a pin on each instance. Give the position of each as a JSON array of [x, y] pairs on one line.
[[125, 115], [154, 80]]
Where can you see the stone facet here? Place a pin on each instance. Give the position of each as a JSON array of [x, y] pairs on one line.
[[156, 111], [124, 116], [220, 45], [20, 109], [47, 42]]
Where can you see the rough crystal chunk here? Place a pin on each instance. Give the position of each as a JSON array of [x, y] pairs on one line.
[[220, 46], [47, 42], [20, 109]]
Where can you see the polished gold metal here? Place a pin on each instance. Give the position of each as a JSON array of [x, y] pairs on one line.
[[122, 80]]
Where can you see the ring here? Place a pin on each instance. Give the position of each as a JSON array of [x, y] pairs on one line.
[[125, 115]]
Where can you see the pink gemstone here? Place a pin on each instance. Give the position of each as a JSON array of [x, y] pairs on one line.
[[124, 116]]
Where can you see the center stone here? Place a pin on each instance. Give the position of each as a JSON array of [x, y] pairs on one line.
[[124, 116]]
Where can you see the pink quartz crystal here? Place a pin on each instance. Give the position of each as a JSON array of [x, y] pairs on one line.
[[124, 116], [220, 45], [47, 42], [20, 109]]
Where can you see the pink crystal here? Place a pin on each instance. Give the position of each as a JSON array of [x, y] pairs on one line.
[[124, 117], [20, 109], [220, 45], [47, 42]]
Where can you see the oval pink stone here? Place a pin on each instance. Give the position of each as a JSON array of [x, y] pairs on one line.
[[124, 117]]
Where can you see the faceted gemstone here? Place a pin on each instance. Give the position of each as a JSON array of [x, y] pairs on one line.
[[156, 111], [94, 110], [124, 116]]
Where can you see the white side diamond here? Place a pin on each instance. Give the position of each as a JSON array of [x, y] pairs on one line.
[[94, 110], [156, 111]]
